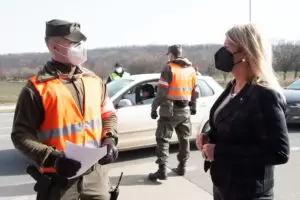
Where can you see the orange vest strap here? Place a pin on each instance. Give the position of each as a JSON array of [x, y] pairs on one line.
[[107, 108], [47, 170]]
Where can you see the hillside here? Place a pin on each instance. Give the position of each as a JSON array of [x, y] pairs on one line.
[[136, 59]]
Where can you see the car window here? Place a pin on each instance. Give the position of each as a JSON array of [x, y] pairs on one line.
[[204, 89], [115, 86], [135, 94], [294, 86]]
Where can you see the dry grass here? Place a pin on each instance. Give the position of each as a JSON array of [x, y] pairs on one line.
[[9, 92]]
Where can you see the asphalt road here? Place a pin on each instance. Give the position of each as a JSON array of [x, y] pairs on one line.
[[15, 184]]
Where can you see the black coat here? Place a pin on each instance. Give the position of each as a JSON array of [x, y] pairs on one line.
[[251, 136]]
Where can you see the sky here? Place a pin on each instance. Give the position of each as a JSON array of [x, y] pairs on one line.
[[110, 23]]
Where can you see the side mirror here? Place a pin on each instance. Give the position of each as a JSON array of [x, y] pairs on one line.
[[124, 103]]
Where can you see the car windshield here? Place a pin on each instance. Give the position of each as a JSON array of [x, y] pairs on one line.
[[294, 86], [116, 85]]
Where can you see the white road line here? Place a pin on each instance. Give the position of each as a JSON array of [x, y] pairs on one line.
[[27, 197], [4, 135], [20, 183], [192, 168], [8, 127], [295, 148]]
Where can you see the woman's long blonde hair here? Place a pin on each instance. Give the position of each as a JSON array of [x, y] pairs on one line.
[[258, 52]]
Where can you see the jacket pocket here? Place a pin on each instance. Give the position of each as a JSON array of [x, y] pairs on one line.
[[164, 128]]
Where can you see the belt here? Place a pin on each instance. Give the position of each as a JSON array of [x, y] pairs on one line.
[[180, 104], [92, 168]]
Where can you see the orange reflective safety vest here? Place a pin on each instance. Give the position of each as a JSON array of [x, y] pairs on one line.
[[63, 119], [182, 84]]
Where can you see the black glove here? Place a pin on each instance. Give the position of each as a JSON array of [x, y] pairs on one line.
[[154, 114], [193, 111], [66, 167], [193, 108], [112, 151]]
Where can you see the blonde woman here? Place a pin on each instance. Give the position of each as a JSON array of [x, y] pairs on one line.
[[248, 134]]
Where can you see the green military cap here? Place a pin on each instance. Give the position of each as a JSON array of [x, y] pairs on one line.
[[176, 50], [65, 29]]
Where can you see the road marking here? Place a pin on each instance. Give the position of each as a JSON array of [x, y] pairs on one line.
[[27, 182], [295, 148], [8, 127], [192, 168], [27, 197], [4, 135]]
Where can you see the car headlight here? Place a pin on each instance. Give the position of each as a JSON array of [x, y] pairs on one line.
[[294, 105]]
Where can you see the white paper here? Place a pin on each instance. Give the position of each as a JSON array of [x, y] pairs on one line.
[[85, 155]]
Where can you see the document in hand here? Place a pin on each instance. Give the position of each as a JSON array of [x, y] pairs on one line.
[[85, 155]]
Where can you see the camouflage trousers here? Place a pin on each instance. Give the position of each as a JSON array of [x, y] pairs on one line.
[[93, 185], [165, 128]]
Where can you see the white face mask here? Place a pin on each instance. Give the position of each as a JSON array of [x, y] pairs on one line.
[[77, 53], [119, 69]]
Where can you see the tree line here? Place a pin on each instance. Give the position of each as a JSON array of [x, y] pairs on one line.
[[144, 59]]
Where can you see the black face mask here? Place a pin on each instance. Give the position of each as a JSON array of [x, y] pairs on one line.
[[224, 60]]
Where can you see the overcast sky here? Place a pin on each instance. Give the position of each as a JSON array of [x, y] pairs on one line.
[[137, 22]]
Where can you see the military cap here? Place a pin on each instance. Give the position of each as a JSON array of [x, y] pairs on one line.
[[176, 50], [118, 65], [65, 29]]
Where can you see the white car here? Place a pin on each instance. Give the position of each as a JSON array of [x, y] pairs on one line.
[[135, 126]]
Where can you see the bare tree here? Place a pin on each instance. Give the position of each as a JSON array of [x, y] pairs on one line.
[[211, 69], [296, 64], [145, 59], [285, 56], [296, 67]]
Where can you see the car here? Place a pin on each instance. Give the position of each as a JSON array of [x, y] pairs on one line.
[[292, 95], [135, 127]]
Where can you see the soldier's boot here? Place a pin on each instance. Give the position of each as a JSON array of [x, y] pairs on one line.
[[181, 169], [160, 174]]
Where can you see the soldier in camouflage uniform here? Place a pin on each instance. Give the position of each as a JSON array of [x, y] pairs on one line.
[[176, 97], [64, 41]]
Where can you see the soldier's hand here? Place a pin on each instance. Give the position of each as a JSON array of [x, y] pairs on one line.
[[193, 111], [193, 108], [66, 167], [112, 151], [154, 114]]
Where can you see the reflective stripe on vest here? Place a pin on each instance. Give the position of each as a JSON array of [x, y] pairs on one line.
[[114, 76], [54, 136], [63, 119], [182, 84]]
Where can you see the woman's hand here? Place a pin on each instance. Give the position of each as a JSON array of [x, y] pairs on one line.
[[209, 150], [201, 140]]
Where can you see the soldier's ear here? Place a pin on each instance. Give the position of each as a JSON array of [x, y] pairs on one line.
[[51, 46]]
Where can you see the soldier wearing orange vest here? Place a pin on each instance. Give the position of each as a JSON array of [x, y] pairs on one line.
[[176, 97], [66, 102]]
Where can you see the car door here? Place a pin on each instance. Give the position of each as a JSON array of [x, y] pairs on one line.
[[135, 126], [204, 103]]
